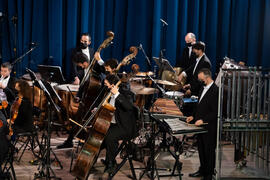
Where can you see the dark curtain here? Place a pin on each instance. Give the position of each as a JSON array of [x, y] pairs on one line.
[[239, 29]]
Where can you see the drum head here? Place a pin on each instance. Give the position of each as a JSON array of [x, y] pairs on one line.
[[174, 94]]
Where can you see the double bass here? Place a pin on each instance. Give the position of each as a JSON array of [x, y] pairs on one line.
[[90, 90], [99, 127]]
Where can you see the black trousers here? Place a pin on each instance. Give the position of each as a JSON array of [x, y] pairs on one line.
[[206, 148], [111, 144]]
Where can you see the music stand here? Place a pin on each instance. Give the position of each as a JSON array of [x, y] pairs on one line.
[[163, 65], [51, 73]]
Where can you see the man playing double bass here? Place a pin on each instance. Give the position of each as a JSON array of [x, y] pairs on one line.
[[81, 60], [123, 124]]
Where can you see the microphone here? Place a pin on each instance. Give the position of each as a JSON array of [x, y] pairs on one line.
[[140, 46], [164, 22], [33, 44]]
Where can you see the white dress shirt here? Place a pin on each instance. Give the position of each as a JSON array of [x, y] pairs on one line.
[[189, 51], [86, 52], [197, 62], [4, 81], [205, 89], [112, 102]]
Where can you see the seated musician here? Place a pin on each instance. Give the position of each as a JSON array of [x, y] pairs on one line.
[[202, 61], [123, 124], [4, 143], [206, 115], [24, 121], [7, 82]]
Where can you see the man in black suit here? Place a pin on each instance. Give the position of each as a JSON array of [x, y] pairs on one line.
[[193, 84], [7, 82], [206, 115], [188, 57], [123, 124], [77, 71]]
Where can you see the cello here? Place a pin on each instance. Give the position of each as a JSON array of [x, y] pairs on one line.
[[99, 127]]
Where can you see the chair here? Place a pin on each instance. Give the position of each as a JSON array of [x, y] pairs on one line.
[[126, 146], [8, 163]]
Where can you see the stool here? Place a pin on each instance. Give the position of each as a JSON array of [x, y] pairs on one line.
[[127, 147]]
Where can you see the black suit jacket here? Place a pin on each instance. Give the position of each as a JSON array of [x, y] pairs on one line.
[[126, 115], [186, 61], [78, 71], [207, 110], [10, 89], [192, 79]]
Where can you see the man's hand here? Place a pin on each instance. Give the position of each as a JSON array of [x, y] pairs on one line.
[[188, 93], [190, 118], [186, 87], [114, 89], [94, 110], [97, 56], [1, 86], [199, 122], [180, 77], [76, 81]]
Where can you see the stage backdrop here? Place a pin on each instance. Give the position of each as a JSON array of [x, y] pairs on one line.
[[239, 29]]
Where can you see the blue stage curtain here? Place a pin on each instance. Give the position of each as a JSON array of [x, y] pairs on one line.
[[238, 29]]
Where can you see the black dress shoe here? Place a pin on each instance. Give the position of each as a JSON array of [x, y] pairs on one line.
[[110, 167], [66, 144], [208, 177], [196, 174]]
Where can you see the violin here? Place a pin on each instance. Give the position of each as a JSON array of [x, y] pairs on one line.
[[14, 113]]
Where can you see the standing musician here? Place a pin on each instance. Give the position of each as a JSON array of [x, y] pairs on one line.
[[77, 71], [191, 73], [206, 114], [188, 56], [24, 121], [80, 60], [123, 124], [7, 82]]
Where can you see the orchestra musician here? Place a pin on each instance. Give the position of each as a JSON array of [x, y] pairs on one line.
[[80, 60], [193, 84], [206, 115], [7, 82], [188, 56], [4, 143], [24, 120], [123, 124], [84, 47]]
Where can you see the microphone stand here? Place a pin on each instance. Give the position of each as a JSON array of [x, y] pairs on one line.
[[146, 57]]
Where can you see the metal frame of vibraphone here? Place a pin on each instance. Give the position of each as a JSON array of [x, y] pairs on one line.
[[244, 115]]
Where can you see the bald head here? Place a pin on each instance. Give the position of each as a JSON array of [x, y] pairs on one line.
[[190, 38]]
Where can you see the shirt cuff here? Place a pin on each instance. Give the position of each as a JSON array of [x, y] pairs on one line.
[[100, 62], [184, 74], [116, 95]]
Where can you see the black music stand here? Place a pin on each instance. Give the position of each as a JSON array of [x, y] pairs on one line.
[[51, 73], [163, 65], [44, 168]]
